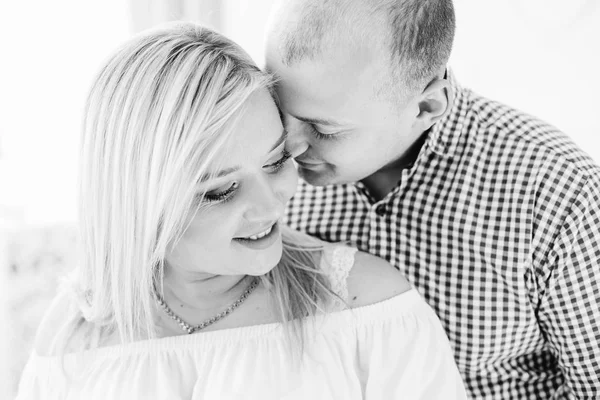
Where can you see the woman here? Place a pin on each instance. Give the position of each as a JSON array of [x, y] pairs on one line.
[[189, 285]]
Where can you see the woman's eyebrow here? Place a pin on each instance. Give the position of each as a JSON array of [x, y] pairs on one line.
[[227, 171], [282, 138], [219, 174]]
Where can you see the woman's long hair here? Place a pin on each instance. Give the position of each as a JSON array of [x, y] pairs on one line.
[[159, 113]]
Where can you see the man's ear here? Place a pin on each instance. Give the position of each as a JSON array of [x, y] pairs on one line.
[[435, 103]]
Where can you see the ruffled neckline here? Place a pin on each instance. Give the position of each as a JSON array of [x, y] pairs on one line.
[[344, 319]]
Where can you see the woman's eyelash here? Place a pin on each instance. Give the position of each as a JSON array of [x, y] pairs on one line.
[[222, 196], [227, 194], [277, 165]]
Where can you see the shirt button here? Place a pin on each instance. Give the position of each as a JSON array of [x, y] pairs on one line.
[[380, 210]]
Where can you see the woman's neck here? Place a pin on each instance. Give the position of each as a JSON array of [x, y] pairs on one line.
[[186, 292], [196, 298]]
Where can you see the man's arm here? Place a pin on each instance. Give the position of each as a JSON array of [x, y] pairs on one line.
[[569, 312]]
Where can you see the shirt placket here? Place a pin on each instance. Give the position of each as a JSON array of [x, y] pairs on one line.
[[381, 228]]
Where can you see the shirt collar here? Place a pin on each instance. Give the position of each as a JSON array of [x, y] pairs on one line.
[[445, 134]]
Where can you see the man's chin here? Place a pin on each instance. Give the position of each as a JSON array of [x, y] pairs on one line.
[[321, 177]]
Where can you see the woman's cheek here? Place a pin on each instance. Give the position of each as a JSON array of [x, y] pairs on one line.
[[213, 220], [290, 176]]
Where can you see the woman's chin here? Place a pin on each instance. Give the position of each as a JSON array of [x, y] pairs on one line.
[[263, 261]]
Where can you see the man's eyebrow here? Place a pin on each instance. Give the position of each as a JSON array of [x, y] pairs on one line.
[[231, 170], [317, 121]]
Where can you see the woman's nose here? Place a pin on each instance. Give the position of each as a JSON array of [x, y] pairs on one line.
[[266, 204]]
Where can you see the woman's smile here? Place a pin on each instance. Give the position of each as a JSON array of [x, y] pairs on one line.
[[263, 240]]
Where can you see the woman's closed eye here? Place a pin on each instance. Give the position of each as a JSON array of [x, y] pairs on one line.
[[227, 191], [280, 163], [222, 193]]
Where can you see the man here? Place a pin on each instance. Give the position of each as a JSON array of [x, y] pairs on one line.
[[492, 215]]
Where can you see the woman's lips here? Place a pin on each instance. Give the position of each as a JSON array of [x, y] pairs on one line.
[[261, 232], [263, 243]]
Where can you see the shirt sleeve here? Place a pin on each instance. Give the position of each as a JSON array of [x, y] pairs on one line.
[[37, 384], [569, 311], [408, 358]]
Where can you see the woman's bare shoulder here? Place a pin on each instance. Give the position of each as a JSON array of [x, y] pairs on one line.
[[303, 239], [372, 280], [56, 326]]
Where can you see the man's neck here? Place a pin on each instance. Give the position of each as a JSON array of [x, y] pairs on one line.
[[386, 179]]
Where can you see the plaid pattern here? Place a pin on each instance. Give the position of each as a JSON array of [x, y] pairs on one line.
[[497, 225]]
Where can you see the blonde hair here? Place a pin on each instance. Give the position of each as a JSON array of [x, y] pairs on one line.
[[158, 114]]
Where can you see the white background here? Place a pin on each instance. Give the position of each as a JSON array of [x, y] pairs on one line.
[[542, 56], [539, 56]]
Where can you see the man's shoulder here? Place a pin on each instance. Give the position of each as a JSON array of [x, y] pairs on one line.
[[305, 189], [314, 200], [504, 122], [511, 134]]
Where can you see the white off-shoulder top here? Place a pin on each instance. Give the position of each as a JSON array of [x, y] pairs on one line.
[[395, 349]]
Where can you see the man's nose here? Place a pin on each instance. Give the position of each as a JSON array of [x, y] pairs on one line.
[[297, 141]]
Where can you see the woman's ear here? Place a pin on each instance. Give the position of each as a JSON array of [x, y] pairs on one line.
[[435, 103]]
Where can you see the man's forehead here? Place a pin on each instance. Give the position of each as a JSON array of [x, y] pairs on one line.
[[343, 52], [319, 82], [306, 29]]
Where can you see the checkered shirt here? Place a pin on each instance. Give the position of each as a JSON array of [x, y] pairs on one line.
[[497, 224]]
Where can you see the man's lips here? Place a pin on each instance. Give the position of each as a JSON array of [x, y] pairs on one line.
[[307, 162]]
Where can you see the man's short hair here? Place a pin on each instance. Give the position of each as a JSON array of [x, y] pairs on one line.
[[417, 33]]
